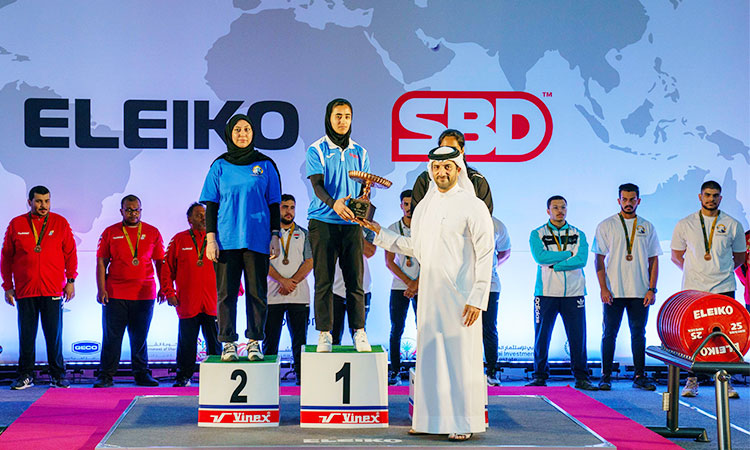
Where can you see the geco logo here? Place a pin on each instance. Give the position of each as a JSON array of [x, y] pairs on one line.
[[498, 126], [85, 347]]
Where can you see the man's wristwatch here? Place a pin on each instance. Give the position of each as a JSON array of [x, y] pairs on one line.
[[652, 290], [71, 280], [275, 233]]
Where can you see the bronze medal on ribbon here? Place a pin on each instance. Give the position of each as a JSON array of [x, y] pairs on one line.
[[708, 240], [133, 250], [285, 247], [38, 249], [135, 261], [38, 237], [200, 263], [285, 261], [707, 257], [200, 251], [629, 240], [629, 257]]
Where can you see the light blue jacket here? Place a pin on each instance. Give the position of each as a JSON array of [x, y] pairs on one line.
[[560, 272]]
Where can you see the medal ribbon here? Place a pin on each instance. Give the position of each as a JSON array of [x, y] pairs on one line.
[[284, 246], [38, 237], [401, 231], [708, 240], [202, 251], [133, 251], [557, 241], [629, 241]]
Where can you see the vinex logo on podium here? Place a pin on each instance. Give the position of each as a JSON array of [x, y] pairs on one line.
[[501, 126]]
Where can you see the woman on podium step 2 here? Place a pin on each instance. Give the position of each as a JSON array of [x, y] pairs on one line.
[[242, 193]]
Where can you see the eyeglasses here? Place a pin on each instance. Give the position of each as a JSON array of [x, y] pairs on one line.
[[132, 211]]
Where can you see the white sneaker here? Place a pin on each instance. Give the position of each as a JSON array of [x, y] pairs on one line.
[[691, 387], [730, 390], [360, 341], [325, 342], [253, 351], [229, 353]]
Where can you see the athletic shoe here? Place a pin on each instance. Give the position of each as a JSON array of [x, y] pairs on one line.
[[730, 390], [59, 382], [229, 352], [360, 341], [103, 381], [181, 382], [605, 385], [253, 351], [537, 382], [393, 379], [585, 385], [21, 383], [325, 342], [641, 382], [691, 387], [145, 379], [493, 379]]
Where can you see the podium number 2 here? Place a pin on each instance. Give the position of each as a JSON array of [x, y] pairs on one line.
[[236, 397], [345, 373]]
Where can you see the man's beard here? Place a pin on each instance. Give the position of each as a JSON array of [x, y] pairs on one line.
[[710, 208], [287, 222], [632, 211]]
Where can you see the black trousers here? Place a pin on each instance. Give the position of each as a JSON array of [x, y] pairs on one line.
[[573, 312], [297, 319], [342, 308], [611, 320], [332, 242], [229, 270], [187, 337], [30, 310], [399, 307], [118, 315], [489, 333]]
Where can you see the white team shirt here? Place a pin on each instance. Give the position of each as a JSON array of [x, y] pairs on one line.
[[400, 260], [717, 274], [299, 251], [626, 279], [502, 243]]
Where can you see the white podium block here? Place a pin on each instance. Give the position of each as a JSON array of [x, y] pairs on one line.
[[411, 398], [239, 394], [344, 388]]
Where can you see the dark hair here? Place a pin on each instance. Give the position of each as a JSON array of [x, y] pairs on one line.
[[450, 132], [129, 198], [193, 206], [629, 187], [285, 197], [555, 197], [41, 190], [710, 184], [406, 193]]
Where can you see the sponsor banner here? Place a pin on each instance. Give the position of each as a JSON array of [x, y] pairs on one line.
[[86, 347], [344, 419], [228, 417]]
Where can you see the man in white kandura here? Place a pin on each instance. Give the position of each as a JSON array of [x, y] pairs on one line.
[[452, 237]]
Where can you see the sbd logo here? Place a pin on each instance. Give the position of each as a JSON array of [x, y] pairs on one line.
[[498, 126]]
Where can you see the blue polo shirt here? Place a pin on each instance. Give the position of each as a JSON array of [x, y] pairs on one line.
[[243, 194], [329, 160]]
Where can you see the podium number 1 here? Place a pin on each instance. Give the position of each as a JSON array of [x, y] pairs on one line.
[[344, 373], [236, 397]]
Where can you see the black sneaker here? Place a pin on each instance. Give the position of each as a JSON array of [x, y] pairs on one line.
[[21, 383], [393, 379], [104, 381], [59, 382], [493, 379], [537, 382], [585, 385], [641, 382], [145, 379], [605, 385], [181, 382]]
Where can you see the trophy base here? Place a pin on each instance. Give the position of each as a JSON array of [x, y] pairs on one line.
[[362, 209]]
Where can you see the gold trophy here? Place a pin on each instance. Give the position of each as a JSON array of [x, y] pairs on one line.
[[361, 207]]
